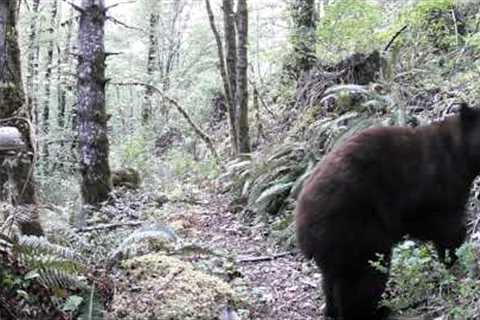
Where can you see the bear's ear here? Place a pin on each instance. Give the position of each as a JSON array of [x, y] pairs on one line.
[[467, 114]]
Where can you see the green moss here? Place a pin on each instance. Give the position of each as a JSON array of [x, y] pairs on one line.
[[169, 289]]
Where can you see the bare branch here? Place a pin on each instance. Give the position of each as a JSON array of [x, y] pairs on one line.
[[118, 4], [116, 21], [394, 37], [74, 6], [208, 141], [108, 54]]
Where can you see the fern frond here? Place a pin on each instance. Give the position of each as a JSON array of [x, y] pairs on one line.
[[246, 187], [49, 262], [238, 165], [33, 244], [353, 88], [154, 232], [56, 278], [72, 303], [273, 192], [298, 184], [92, 307], [357, 126], [285, 150]]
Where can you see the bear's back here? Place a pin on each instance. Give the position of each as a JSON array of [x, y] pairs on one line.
[[377, 181]]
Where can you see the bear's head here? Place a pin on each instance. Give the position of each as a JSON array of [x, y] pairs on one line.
[[470, 125]]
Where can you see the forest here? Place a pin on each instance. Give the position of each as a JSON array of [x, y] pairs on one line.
[[153, 153]]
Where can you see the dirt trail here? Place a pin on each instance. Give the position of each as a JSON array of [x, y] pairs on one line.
[[281, 288]]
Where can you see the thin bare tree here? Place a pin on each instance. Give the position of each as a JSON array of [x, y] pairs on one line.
[[151, 64], [48, 74], [227, 90], [242, 78], [231, 63]]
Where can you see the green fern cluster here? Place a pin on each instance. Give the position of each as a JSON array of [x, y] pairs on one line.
[[33, 265], [266, 184]]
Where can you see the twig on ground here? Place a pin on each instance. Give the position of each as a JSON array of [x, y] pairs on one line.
[[265, 258], [109, 226]]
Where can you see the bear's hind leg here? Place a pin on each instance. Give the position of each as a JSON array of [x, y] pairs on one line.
[[358, 294], [449, 239]]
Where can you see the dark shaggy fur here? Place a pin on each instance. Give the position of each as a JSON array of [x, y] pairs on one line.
[[380, 185]]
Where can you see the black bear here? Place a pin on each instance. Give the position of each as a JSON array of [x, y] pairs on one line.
[[380, 185]]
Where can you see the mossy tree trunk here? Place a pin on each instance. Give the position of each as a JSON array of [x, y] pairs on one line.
[[242, 78], [304, 18], [14, 113], [92, 117]]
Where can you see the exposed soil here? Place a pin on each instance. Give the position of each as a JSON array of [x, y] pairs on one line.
[[282, 285]]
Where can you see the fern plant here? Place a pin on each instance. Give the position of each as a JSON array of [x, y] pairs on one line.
[[36, 274]]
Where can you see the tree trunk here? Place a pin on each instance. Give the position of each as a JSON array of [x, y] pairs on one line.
[[12, 99], [63, 73], [151, 67], [172, 41], [304, 37], [256, 107], [92, 117], [169, 46], [231, 62], [242, 77], [32, 65], [221, 59], [48, 74]]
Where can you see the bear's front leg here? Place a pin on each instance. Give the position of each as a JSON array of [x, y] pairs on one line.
[[448, 239]]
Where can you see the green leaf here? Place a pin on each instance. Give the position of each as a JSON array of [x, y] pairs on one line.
[[273, 191], [23, 294], [31, 275], [72, 304]]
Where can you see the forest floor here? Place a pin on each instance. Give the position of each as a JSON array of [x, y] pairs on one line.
[[278, 284]]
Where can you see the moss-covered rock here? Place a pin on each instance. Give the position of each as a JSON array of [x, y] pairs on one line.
[[162, 287]]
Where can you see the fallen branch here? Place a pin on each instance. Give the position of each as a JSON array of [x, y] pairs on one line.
[[208, 141], [109, 226], [193, 202], [266, 258]]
